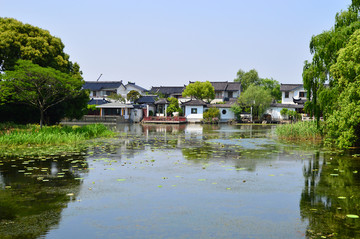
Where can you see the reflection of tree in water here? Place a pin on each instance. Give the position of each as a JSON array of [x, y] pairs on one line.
[[331, 192], [34, 191]]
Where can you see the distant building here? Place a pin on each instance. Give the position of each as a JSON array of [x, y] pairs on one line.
[[293, 97], [168, 91], [103, 89]]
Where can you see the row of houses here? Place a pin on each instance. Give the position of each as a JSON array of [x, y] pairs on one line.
[[149, 104]]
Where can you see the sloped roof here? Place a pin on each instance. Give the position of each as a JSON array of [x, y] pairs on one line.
[[115, 105], [233, 86], [147, 99], [224, 85], [161, 101], [98, 85], [167, 90], [194, 102], [97, 101], [135, 86], [289, 87]]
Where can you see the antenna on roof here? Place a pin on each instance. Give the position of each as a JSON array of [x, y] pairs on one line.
[[99, 77]]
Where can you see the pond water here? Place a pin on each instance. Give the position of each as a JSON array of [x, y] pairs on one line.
[[182, 181]]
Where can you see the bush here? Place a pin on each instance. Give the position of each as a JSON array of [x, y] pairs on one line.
[[211, 116]]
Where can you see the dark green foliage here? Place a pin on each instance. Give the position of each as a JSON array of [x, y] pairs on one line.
[[212, 115]]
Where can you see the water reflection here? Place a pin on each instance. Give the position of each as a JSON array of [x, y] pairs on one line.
[[35, 190], [183, 181], [331, 192]]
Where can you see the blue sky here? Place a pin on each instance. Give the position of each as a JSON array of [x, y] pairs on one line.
[[172, 42]]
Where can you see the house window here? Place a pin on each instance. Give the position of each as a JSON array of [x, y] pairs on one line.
[[286, 94], [94, 93], [224, 112], [109, 92], [230, 94], [302, 94], [218, 94], [193, 110]]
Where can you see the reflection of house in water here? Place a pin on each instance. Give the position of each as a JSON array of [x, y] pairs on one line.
[[193, 131]]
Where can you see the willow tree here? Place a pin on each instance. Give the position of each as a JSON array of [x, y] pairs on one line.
[[325, 49]]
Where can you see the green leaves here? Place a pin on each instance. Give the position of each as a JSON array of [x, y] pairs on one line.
[[200, 90]]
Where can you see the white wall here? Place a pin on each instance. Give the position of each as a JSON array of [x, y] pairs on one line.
[[275, 112], [194, 117], [229, 115]]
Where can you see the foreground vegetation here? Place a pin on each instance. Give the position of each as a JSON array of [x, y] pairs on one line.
[[15, 135], [304, 130]]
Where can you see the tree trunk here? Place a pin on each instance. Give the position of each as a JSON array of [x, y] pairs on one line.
[[41, 118]]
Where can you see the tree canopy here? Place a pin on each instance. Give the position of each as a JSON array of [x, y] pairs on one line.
[[133, 95], [173, 106], [27, 42], [38, 86], [200, 90], [21, 44], [252, 78], [256, 97], [325, 49], [336, 61]]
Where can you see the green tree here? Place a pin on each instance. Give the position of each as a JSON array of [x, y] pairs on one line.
[[325, 49], [273, 86], [173, 106], [117, 97], [27, 42], [247, 78], [343, 125], [252, 78], [39, 87], [200, 90], [256, 97], [133, 95]]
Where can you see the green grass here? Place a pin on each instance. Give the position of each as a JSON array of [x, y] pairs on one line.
[[305, 130], [51, 135]]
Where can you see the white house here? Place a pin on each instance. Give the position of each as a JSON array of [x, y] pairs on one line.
[[103, 89], [193, 110], [293, 97]]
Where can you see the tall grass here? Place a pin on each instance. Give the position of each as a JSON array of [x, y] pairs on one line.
[[304, 130], [52, 135]]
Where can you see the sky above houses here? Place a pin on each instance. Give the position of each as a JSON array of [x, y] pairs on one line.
[[172, 42]]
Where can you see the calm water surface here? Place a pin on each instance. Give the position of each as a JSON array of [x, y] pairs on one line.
[[187, 181]]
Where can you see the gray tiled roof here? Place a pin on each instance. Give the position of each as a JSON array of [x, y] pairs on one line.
[[161, 101], [194, 102], [147, 99], [167, 90], [136, 86], [224, 85], [289, 87], [98, 85]]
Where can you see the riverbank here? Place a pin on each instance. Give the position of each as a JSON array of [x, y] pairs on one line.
[[32, 135]]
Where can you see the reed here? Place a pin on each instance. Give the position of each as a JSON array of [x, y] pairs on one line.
[[304, 130], [52, 135]]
